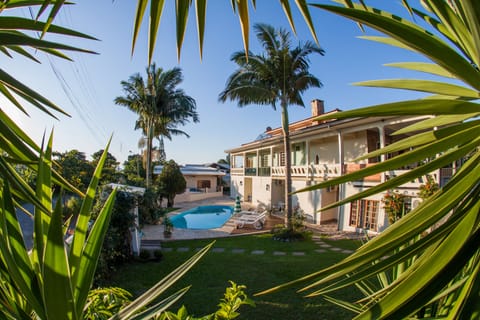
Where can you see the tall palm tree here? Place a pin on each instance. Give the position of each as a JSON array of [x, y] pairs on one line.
[[160, 105], [278, 76]]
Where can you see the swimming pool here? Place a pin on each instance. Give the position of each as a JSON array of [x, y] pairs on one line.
[[203, 217]]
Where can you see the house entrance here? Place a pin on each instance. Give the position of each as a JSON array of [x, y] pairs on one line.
[[248, 189], [329, 196]]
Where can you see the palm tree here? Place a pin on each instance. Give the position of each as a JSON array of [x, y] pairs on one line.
[[160, 105], [278, 76]]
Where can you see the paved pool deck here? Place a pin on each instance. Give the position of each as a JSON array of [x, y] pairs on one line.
[[155, 232]]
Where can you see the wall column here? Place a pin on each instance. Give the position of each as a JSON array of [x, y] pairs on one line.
[[381, 139], [341, 187]]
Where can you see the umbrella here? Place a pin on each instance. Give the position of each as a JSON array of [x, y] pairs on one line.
[[238, 207]]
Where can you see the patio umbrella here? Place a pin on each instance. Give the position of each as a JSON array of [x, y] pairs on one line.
[[238, 207]]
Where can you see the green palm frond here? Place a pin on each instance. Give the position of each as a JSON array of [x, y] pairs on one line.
[[182, 10], [443, 276]]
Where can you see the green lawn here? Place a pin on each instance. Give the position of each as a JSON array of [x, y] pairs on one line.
[[210, 276]]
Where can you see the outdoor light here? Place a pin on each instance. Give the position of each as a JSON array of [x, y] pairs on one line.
[[241, 183], [267, 187]]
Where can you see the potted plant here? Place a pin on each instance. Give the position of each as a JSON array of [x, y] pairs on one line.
[[168, 227]]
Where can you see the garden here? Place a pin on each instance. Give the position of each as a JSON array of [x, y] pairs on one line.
[[232, 259]]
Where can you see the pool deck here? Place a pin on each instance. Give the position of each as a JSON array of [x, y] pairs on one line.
[[155, 232]]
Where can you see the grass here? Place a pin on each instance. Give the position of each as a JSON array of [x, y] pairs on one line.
[[210, 276]]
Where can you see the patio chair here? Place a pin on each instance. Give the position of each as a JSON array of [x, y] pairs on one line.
[[257, 220]]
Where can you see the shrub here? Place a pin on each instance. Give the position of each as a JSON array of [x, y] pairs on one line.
[[144, 254], [158, 254]]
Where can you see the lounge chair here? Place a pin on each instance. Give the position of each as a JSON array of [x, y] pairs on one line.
[[257, 220]]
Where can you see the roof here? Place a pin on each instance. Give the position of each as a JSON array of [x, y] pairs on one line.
[[129, 189], [193, 170]]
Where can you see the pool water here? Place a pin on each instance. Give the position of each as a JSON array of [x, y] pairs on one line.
[[204, 217]]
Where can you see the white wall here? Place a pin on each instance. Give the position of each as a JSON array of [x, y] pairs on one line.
[[355, 145], [260, 194], [326, 149]]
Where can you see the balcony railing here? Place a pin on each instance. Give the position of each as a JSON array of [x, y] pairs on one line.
[[325, 171], [237, 171], [328, 171]]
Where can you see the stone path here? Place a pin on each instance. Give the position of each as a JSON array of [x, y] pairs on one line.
[[323, 247]]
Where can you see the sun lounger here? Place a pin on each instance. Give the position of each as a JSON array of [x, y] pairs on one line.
[[255, 219]]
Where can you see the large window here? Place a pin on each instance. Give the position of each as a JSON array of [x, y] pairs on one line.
[[202, 184], [364, 214], [237, 161]]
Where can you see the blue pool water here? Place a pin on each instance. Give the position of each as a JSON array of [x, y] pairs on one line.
[[204, 217]]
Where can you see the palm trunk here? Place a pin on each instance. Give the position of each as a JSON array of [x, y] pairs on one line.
[[288, 164], [148, 169]]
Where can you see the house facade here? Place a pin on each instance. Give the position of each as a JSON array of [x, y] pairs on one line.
[[203, 182], [321, 151]]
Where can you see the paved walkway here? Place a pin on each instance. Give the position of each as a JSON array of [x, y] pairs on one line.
[[322, 248]]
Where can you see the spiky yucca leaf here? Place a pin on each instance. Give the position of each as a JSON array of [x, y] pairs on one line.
[[445, 255]]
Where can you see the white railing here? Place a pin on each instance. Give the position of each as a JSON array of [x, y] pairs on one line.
[[325, 170], [236, 171]]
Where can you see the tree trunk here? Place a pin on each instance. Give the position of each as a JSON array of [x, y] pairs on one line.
[[288, 164], [148, 169], [170, 200]]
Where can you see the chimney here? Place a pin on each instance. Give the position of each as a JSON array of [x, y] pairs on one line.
[[317, 109]]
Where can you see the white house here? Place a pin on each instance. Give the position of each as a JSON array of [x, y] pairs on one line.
[[320, 151]]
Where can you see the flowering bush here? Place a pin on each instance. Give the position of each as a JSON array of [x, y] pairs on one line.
[[395, 206]]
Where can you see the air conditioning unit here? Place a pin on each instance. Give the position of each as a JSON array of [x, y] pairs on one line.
[[416, 202]]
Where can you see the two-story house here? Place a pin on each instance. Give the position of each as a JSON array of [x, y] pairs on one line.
[[323, 150]]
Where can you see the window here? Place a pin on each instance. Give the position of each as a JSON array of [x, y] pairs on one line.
[[202, 184], [364, 214], [237, 161], [251, 160], [264, 160], [282, 159]]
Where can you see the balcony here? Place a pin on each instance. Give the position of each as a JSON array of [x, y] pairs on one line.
[[250, 171], [324, 171]]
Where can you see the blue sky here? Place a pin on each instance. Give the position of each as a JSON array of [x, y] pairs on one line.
[[87, 87]]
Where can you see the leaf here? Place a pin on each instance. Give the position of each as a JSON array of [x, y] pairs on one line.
[[156, 9], [14, 256], [409, 107], [423, 85], [57, 289], [201, 13], [431, 68], [414, 37], [438, 121], [420, 139], [242, 6], [81, 228], [140, 12], [288, 12], [181, 11], [302, 6], [87, 264], [19, 23], [161, 286], [163, 305]]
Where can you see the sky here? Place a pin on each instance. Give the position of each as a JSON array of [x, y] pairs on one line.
[[86, 88]]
